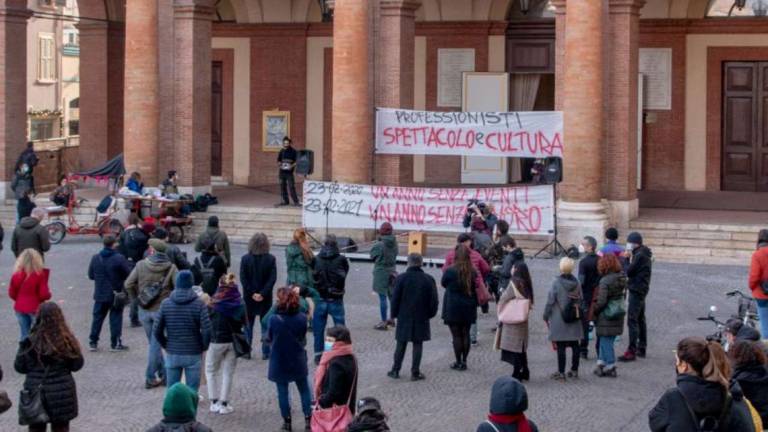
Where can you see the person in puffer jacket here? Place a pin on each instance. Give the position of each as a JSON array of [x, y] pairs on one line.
[[509, 401], [180, 411], [183, 329]]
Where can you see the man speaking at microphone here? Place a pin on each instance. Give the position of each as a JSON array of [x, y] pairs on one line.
[[286, 161]]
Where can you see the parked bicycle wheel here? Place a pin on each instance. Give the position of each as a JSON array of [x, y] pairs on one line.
[[56, 232]]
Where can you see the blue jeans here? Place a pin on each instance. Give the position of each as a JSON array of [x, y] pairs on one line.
[[383, 306], [284, 399], [762, 312], [155, 368], [175, 364], [25, 323], [605, 354], [323, 308], [100, 311]]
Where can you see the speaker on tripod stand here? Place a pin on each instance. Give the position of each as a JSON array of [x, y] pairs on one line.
[[553, 174]]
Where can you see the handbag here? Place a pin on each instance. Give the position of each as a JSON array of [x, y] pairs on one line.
[[32, 406], [337, 417], [5, 402], [515, 311], [121, 299], [151, 292], [614, 310], [239, 343]]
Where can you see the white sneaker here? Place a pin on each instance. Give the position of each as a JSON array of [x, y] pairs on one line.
[[226, 409], [215, 407]]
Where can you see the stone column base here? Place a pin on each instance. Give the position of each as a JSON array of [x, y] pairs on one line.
[[622, 212], [195, 190], [5, 191], [576, 220]]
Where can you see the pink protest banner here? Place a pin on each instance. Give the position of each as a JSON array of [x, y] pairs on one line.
[[528, 209], [532, 134]]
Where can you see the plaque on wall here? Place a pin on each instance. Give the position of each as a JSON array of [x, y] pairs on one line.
[[656, 66], [451, 64]]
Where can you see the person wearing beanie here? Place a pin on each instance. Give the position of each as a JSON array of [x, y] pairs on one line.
[[180, 411], [509, 401], [153, 271], [177, 257], [183, 329], [639, 283], [384, 256], [370, 417], [213, 234]]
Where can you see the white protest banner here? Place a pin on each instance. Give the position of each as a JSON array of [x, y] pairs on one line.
[[533, 134], [528, 209]]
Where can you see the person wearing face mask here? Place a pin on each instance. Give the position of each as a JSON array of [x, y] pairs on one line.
[[639, 282], [703, 399], [336, 375], [589, 278]]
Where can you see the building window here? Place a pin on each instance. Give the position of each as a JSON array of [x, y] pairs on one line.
[[41, 129], [74, 127], [46, 59], [737, 8]]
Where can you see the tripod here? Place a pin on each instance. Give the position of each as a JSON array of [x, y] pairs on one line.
[[554, 248], [327, 208]]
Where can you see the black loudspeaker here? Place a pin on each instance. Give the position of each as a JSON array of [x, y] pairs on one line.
[[346, 245], [553, 173], [305, 162]]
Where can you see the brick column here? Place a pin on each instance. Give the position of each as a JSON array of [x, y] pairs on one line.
[[141, 90], [192, 93], [620, 161], [580, 209], [351, 135], [115, 88], [559, 51], [94, 108], [13, 87], [395, 68]]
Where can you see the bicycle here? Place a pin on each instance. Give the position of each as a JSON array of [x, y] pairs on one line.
[[747, 308]]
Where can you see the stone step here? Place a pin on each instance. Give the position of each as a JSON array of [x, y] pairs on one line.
[[658, 225]]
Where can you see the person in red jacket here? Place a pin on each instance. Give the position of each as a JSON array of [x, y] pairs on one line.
[[758, 280], [28, 288]]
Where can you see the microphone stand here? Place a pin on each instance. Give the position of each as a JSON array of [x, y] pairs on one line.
[[327, 209]]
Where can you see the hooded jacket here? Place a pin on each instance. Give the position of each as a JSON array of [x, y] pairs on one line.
[[508, 397], [179, 411], [30, 234], [330, 271], [706, 399], [183, 326], [108, 269], [639, 270], [563, 288], [753, 381], [152, 269], [384, 256], [219, 238]]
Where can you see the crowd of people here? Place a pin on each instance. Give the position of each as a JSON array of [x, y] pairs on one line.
[[199, 317]]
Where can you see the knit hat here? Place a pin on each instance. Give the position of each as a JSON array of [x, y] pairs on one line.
[[184, 280], [158, 245], [385, 229], [213, 221], [180, 404], [635, 237], [160, 233], [368, 404]]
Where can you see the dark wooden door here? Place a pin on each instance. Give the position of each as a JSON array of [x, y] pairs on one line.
[[217, 92], [745, 126]]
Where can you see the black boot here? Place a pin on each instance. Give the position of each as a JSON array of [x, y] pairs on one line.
[[308, 424], [287, 424], [525, 375]]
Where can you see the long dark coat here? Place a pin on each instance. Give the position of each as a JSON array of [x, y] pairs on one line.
[[258, 274], [414, 303], [458, 307], [59, 390]]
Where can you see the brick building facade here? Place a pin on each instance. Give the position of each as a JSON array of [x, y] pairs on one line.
[[148, 67]]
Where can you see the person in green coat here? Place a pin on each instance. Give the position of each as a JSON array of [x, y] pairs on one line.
[[384, 256], [298, 259]]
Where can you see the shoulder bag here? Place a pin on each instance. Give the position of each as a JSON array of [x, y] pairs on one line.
[[149, 295], [710, 423], [239, 342], [32, 406], [335, 418], [5, 402], [515, 311]]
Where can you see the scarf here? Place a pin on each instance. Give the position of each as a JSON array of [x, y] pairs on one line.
[[339, 349], [227, 300], [506, 419]]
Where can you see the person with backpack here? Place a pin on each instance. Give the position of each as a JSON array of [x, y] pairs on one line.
[[133, 246], [109, 270], [213, 234], [609, 313], [704, 400], [563, 317], [330, 271], [150, 282], [509, 401], [210, 266], [258, 274], [639, 283], [384, 256], [177, 257]]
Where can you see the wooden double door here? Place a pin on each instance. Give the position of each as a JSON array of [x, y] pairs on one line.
[[745, 126]]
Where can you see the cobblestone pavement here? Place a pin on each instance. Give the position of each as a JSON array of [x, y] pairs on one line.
[[112, 396]]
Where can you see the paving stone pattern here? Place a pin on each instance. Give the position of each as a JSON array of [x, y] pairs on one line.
[[112, 396]]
